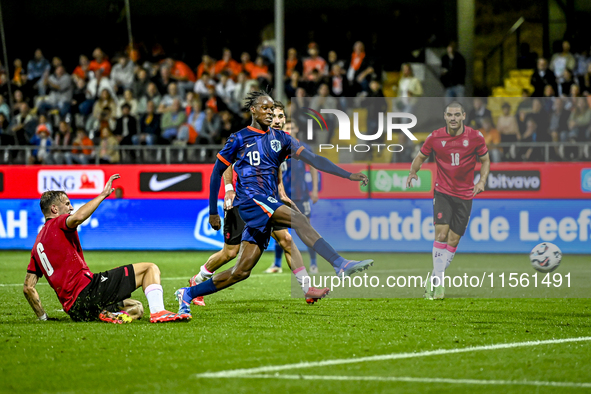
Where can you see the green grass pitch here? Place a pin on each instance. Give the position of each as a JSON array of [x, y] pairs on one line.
[[428, 346]]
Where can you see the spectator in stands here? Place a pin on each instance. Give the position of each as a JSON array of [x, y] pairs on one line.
[[18, 99], [212, 100], [453, 72], [292, 84], [582, 60], [558, 126], [100, 65], [105, 119], [197, 116], [105, 100], [108, 152], [409, 87], [339, 85], [83, 69], [477, 113], [228, 126], [37, 69], [63, 138], [212, 126], [140, 83], [567, 82], [585, 82], [227, 64], [360, 71], [169, 97], [42, 140], [225, 87], [55, 63], [314, 62], [82, 100], [171, 121], [333, 59], [149, 126], [201, 85], [241, 89], [4, 85], [19, 78], [6, 136], [24, 125], [126, 127], [207, 65], [4, 108], [245, 63], [313, 83], [292, 63], [509, 130], [260, 71], [492, 138], [129, 100], [122, 74], [42, 121], [164, 79], [527, 59], [182, 74], [152, 95], [562, 61], [61, 91], [82, 152], [579, 121]]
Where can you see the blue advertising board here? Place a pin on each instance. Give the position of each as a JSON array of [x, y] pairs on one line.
[[496, 226]]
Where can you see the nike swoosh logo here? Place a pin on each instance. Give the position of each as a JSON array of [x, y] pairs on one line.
[[248, 146], [103, 278], [156, 185]]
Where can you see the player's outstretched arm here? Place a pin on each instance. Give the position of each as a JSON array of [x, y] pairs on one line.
[[214, 187], [230, 192], [325, 165], [414, 168], [87, 209], [32, 296], [484, 170]]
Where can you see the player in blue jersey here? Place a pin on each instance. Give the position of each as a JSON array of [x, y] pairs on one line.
[[296, 187], [234, 227], [257, 155]]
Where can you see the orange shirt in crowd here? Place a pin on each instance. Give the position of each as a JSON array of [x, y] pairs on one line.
[[203, 68], [317, 63], [259, 71], [79, 72], [491, 137], [231, 65], [290, 65], [182, 71], [105, 65], [85, 142], [247, 67]]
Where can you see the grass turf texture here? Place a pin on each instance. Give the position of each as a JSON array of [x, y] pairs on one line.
[[257, 323]]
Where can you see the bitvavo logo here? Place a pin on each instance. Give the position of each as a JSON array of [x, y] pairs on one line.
[[203, 231], [345, 130]]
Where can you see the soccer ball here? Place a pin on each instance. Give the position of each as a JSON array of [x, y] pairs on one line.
[[545, 257]]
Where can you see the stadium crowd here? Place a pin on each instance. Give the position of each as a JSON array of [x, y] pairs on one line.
[[103, 103]]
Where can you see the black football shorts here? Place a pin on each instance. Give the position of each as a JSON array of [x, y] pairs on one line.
[[233, 227], [107, 290], [451, 210]]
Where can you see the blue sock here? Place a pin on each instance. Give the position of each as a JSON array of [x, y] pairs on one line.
[[312, 256], [278, 255], [325, 250], [202, 289]]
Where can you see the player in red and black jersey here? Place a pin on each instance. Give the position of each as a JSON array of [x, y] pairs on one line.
[[85, 296], [456, 148]]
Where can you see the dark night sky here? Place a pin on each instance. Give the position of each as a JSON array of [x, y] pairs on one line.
[[186, 28]]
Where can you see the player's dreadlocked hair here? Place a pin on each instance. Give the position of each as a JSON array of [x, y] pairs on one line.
[[252, 97], [50, 198], [279, 105]]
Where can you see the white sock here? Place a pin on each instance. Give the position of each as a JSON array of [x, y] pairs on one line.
[[300, 274], [154, 296], [439, 260], [203, 274], [451, 252]]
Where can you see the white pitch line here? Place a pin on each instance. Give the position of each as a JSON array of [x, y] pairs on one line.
[[407, 379], [393, 356]]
